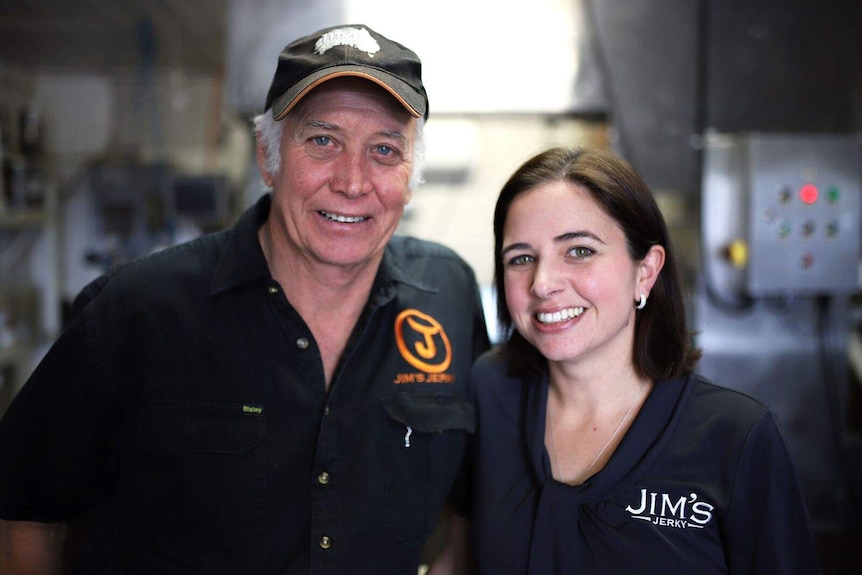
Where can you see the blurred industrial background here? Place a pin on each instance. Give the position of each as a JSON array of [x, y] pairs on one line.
[[125, 127]]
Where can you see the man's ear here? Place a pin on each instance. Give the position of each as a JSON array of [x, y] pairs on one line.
[[261, 163], [648, 269]]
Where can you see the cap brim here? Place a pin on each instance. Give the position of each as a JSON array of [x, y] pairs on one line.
[[412, 100]]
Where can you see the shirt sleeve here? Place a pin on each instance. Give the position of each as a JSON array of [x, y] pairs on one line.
[[766, 529], [460, 496], [54, 444]]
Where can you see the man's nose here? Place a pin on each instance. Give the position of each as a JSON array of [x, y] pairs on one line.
[[351, 175]]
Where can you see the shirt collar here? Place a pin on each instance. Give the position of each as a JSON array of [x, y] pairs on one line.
[[243, 261]]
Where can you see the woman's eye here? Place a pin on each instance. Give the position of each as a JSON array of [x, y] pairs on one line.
[[580, 252], [521, 260]]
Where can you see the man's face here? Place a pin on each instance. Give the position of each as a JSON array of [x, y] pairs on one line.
[[346, 157]]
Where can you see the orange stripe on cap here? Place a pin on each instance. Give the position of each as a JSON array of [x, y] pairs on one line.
[[347, 73]]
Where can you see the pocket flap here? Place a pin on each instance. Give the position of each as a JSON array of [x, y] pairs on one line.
[[429, 412], [200, 427]]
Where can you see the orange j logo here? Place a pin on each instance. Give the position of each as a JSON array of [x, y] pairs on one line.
[[426, 335]]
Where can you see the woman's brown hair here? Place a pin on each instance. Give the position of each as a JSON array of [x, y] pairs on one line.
[[662, 346]]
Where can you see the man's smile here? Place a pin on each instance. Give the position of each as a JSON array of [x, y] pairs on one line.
[[342, 219]]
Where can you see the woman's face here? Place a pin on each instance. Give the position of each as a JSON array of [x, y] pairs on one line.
[[570, 284]]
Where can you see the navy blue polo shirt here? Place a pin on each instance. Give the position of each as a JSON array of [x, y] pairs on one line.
[[702, 483], [185, 409]]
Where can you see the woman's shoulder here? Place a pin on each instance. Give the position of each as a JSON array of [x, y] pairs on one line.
[[492, 375], [705, 390], [722, 405]]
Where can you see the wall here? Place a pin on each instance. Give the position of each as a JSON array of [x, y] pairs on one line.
[[469, 159], [122, 119], [482, 56], [504, 79], [116, 118]]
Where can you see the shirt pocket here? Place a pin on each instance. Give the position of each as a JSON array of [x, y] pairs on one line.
[[425, 437], [200, 427], [199, 476]]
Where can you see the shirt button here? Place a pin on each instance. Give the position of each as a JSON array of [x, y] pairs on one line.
[[325, 542], [272, 290], [302, 343], [323, 478]]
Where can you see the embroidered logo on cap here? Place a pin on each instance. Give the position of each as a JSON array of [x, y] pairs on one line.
[[358, 38]]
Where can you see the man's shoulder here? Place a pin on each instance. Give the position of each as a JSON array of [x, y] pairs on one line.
[[429, 263], [411, 248], [180, 264]]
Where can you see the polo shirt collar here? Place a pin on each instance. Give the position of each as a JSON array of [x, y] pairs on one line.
[[393, 269], [242, 260]]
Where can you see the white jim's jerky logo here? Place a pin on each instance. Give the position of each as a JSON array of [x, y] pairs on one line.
[[358, 38], [681, 512]]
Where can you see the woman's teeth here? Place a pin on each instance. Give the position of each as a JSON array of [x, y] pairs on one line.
[[562, 315]]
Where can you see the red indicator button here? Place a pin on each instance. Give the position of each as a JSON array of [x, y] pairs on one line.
[[808, 193]]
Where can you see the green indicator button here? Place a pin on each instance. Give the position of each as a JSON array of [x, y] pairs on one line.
[[833, 194]]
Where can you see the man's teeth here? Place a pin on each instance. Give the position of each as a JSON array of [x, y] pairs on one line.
[[343, 219], [562, 315]]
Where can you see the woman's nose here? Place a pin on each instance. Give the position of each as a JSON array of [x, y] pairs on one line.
[[546, 281]]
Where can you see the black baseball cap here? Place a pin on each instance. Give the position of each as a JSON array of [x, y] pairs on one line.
[[348, 50]]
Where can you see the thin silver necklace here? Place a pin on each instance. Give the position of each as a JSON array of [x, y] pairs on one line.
[[586, 472]]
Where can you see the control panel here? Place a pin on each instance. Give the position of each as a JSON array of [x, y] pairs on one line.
[[781, 214], [804, 214]]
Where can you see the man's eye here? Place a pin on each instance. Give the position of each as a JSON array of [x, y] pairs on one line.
[[387, 154], [322, 140]]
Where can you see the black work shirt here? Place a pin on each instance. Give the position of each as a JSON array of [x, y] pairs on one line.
[[186, 404], [701, 483]]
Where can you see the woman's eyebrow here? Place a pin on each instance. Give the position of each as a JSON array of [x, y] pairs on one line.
[[514, 247], [569, 236]]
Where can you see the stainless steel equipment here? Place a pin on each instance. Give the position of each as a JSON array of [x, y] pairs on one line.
[[780, 231]]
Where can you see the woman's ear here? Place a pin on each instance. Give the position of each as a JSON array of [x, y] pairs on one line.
[[261, 163], [648, 269]]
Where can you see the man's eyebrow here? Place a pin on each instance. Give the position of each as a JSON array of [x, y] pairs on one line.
[[395, 135], [320, 124]]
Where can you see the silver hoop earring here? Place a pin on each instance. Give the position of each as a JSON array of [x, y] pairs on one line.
[[642, 303]]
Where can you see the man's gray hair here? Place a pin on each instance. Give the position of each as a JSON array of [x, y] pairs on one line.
[[268, 133]]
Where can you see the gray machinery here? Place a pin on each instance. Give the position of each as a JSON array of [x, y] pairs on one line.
[[780, 232]]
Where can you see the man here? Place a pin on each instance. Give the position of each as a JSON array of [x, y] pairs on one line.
[[288, 396]]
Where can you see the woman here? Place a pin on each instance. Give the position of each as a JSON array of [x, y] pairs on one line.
[[598, 450]]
